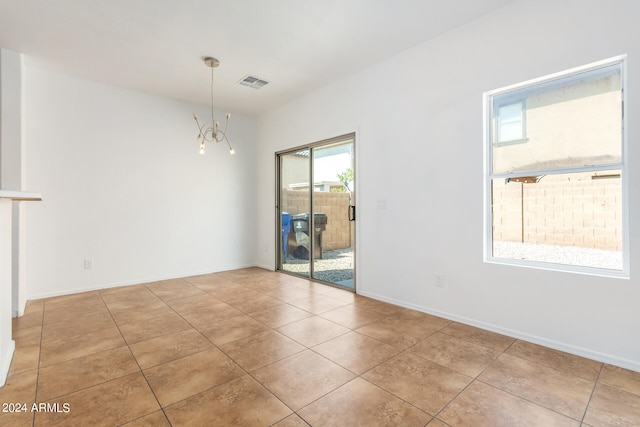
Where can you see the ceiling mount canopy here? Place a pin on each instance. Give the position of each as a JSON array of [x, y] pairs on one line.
[[211, 62], [211, 132]]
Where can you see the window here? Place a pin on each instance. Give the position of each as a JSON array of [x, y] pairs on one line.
[[558, 201], [510, 123]]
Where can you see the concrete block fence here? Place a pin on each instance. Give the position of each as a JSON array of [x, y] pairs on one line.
[[586, 213]]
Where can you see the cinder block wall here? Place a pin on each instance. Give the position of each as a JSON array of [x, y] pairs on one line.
[[337, 234], [585, 213]]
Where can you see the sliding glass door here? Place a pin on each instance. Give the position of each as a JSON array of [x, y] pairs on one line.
[[318, 178], [294, 201]]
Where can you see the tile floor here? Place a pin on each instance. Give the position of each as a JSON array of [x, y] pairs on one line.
[[253, 347]]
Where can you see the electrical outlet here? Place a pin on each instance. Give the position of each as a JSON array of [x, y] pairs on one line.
[[88, 264], [439, 281]]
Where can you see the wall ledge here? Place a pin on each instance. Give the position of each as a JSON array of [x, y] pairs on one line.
[[20, 195]]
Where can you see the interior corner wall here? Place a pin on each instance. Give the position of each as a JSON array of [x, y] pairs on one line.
[[419, 144], [10, 119], [11, 168], [126, 196]]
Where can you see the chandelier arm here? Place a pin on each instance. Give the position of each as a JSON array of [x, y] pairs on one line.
[[202, 129], [226, 125], [225, 139], [231, 150], [195, 117]]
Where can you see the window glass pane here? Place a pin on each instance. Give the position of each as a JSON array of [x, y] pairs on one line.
[[572, 219], [510, 131], [294, 200], [510, 113], [573, 121]]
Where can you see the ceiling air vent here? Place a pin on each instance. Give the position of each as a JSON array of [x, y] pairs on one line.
[[253, 82]]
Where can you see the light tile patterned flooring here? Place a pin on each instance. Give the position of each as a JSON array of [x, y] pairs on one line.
[[253, 347]]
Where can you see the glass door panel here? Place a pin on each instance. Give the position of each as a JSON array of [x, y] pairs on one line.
[[333, 204], [295, 205]]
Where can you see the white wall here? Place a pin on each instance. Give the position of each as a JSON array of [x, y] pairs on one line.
[[11, 163], [418, 118], [124, 186], [10, 119]]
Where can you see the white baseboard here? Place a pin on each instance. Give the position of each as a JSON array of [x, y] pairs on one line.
[[560, 346], [5, 362], [130, 282], [266, 267], [20, 311]]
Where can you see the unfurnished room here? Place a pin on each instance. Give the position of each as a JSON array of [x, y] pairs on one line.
[[319, 213]]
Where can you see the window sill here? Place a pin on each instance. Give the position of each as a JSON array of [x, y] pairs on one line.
[[512, 142], [562, 268]]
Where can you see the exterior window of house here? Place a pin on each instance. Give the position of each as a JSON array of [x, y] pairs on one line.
[[510, 123], [560, 200]]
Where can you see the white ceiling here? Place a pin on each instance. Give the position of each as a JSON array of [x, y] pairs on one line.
[[156, 46]]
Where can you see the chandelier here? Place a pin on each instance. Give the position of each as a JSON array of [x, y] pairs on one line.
[[211, 132]]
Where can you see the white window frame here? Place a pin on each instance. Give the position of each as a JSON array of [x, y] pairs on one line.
[[491, 140]]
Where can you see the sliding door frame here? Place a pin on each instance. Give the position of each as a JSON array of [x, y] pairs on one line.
[[278, 211]]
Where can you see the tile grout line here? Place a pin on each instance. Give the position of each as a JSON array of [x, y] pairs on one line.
[[435, 416], [38, 369], [360, 376], [137, 364], [593, 391], [242, 281], [476, 379], [35, 396], [247, 372], [595, 382], [194, 327], [406, 350], [273, 329]]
